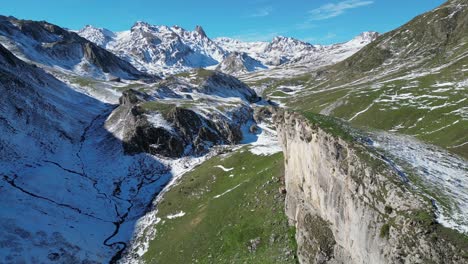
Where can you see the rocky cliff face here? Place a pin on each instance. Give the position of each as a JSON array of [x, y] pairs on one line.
[[350, 207], [174, 131], [237, 63]]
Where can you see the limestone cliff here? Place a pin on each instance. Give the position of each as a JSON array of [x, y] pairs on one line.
[[348, 206]]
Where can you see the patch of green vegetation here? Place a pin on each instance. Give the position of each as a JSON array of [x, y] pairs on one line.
[[424, 218], [331, 125], [134, 86], [447, 234], [274, 84], [157, 106], [261, 82], [226, 213], [385, 231], [319, 101], [203, 73], [321, 236], [279, 94], [185, 74], [84, 82]]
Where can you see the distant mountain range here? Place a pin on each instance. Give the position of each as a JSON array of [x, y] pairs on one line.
[[163, 49]]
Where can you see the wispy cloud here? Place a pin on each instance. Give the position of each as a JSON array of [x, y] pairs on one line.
[[262, 12], [335, 9]]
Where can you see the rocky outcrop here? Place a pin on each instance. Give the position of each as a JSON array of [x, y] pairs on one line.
[[224, 85], [237, 63], [180, 131], [350, 207]]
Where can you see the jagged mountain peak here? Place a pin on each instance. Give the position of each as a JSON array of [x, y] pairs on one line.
[[99, 36], [365, 37], [278, 39], [200, 31], [369, 35], [165, 50], [141, 24]]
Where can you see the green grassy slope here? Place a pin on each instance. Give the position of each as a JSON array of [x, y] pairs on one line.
[[412, 80], [224, 211]]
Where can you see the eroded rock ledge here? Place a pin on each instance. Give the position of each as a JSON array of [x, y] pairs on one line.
[[349, 207]]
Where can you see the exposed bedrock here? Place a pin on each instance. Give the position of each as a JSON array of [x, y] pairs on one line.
[[349, 207]]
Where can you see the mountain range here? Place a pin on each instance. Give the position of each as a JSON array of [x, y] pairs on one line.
[[161, 145], [163, 49]]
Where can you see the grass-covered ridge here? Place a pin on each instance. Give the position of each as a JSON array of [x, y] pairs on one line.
[[412, 80], [230, 215]]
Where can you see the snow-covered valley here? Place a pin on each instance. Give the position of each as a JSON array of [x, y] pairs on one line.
[[98, 128]]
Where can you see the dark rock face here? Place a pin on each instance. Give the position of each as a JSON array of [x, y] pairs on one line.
[[239, 62], [263, 113], [191, 133], [154, 140], [200, 31], [226, 85], [7, 56]]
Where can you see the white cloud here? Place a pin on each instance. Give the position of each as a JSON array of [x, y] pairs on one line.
[[335, 9], [262, 12]]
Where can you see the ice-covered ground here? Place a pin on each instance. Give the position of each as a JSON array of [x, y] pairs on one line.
[[266, 143], [444, 176]]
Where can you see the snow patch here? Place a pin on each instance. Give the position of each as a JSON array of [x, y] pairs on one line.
[[176, 215], [223, 168], [228, 191], [445, 174], [267, 142]]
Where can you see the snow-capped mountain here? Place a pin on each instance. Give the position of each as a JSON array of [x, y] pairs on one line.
[[165, 50], [46, 44], [159, 49], [282, 50], [100, 36], [330, 54]]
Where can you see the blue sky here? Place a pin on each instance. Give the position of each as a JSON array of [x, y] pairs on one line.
[[316, 21]]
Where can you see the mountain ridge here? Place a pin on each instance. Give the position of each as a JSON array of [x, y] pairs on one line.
[[166, 50], [53, 46]]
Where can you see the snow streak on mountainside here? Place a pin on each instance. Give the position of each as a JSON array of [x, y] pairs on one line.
[[163, 50]]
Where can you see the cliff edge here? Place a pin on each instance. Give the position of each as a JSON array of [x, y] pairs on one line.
[[349, 206]]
